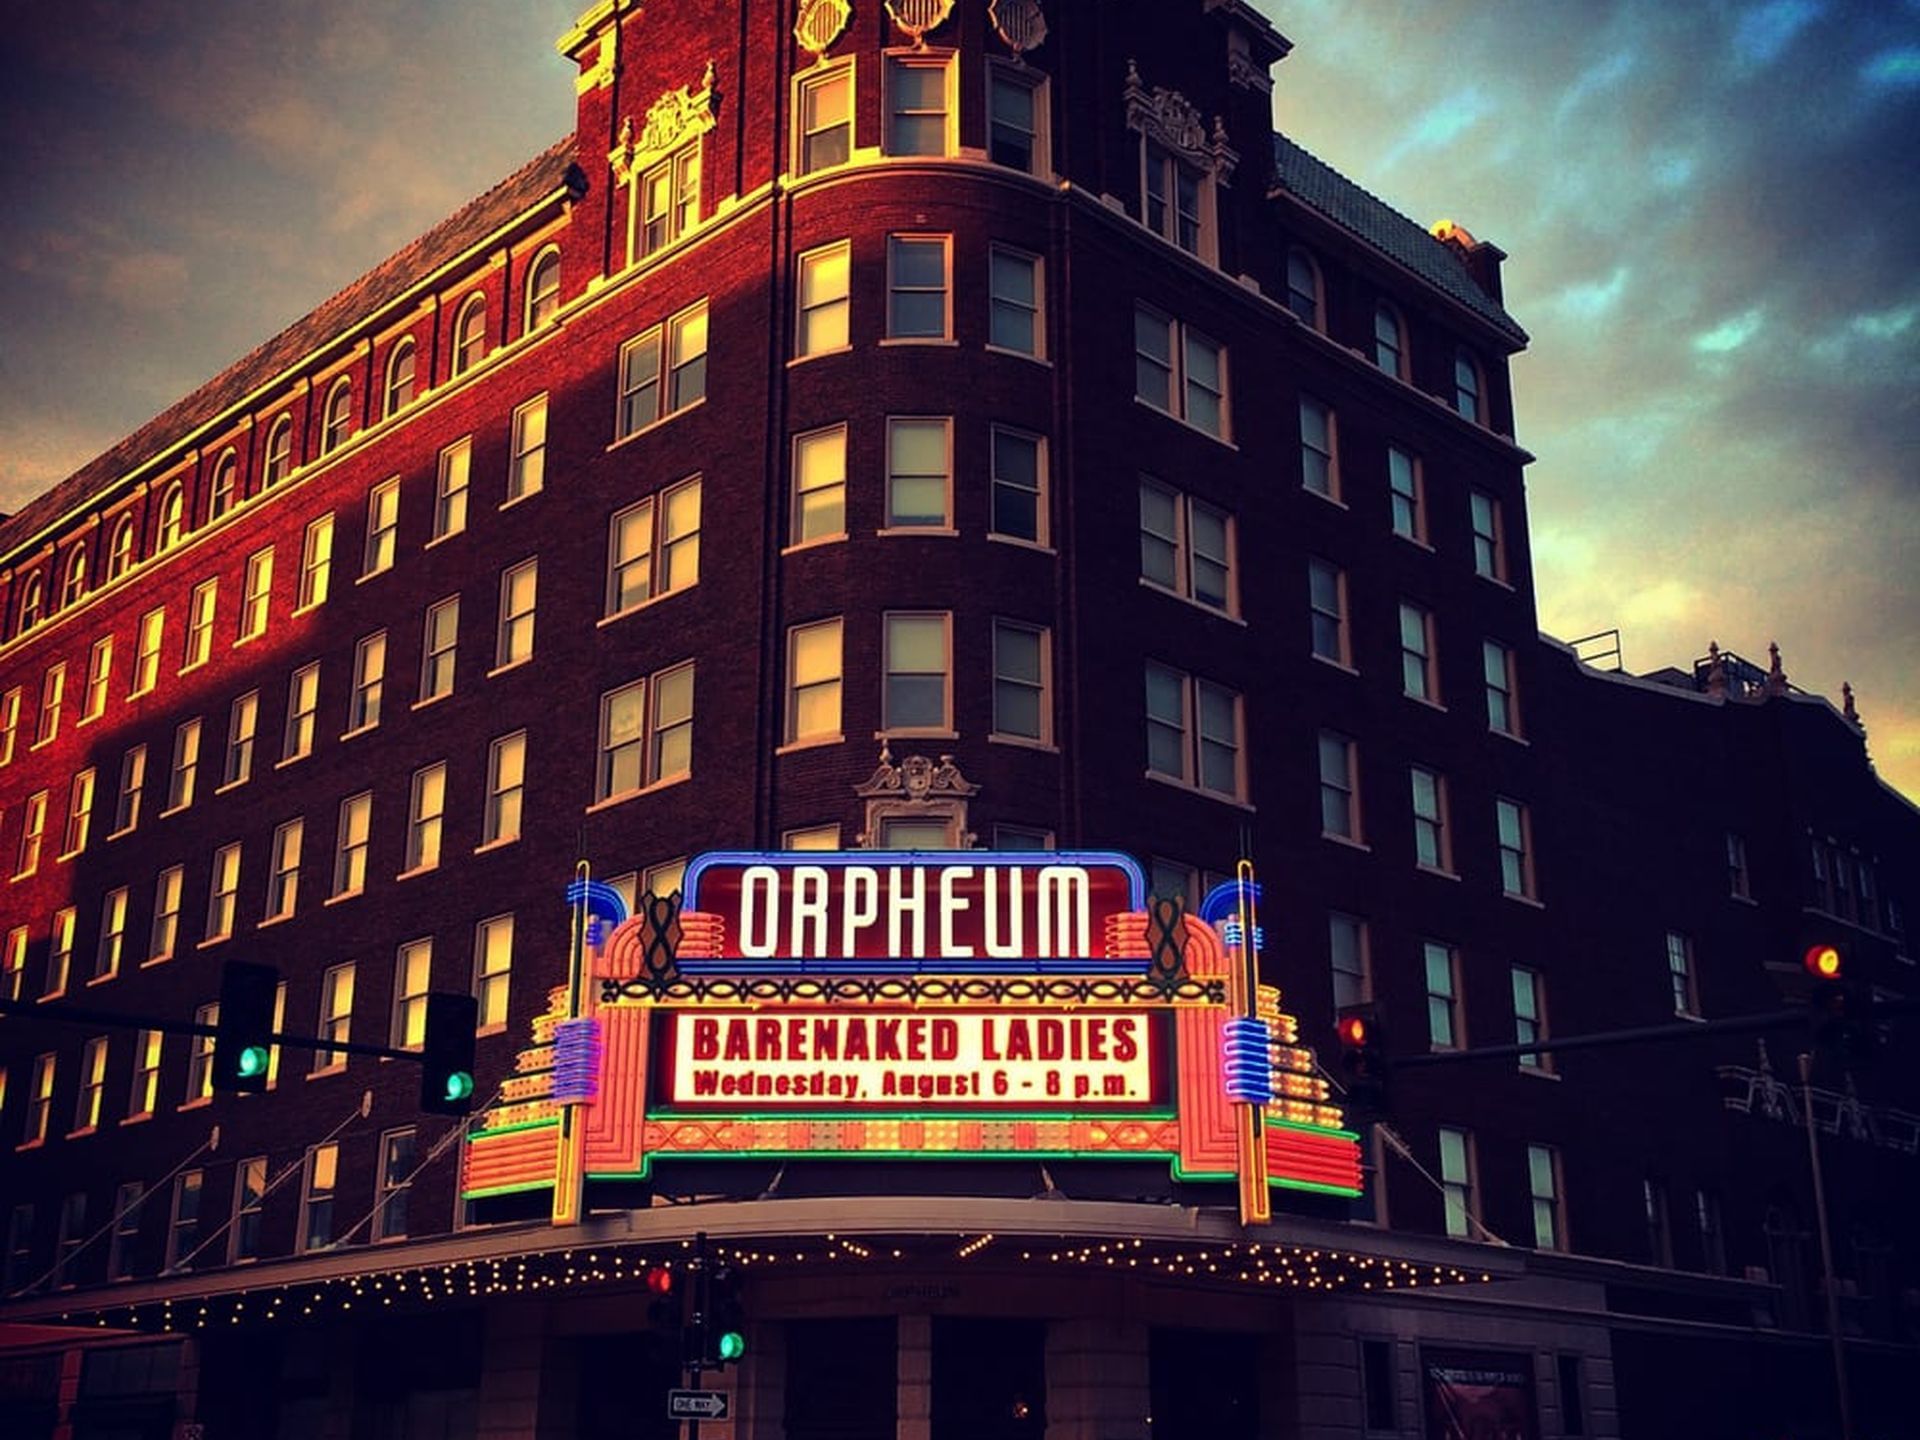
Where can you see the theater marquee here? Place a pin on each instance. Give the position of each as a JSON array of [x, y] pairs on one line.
[[878, 1005]]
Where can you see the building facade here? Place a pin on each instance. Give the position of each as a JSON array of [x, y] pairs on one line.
[[920, 427]]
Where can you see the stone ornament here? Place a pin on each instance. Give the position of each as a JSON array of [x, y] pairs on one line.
[[672, 120], [917, 789], [916, 17], [821, 23], [1019, 23]]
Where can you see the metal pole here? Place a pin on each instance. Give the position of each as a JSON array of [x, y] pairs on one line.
[[697, 1355], [1826, 1254]]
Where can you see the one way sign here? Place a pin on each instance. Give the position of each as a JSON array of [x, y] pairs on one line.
[[696, 1404]]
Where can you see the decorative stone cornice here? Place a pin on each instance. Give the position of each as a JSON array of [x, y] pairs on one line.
[[917, 779], [1168, 118], [675, 118]]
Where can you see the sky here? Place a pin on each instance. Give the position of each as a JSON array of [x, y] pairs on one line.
[[1712, 213]]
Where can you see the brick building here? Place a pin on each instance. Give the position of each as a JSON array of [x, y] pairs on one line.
[[853, 388]]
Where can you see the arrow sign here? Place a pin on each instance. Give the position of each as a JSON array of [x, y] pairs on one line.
[[696, 1404]]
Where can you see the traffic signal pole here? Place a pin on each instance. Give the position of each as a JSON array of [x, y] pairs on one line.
[[1826, 1254], [84, 1015], [696, 1353]]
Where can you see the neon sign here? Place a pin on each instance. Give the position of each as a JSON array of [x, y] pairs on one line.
[[907, 1005]]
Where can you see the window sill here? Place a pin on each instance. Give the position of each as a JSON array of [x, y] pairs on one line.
[[417, 871], [1038, 547], [943, 342], [1749, 900], [943, 532], [1690, 1017], [1202, 606], [1184, 423], [510, 665], [344, 896], [59, 994], [1538, 1072], [431, 700], [916, 734], [1526, 900], [359, 730], [442, 539], [64, 856], [810, 742], [1499, 580], [621, 799], [272, 920], [1325, 498], [153, 960], [646, 604], [28, 1145], [249, 638], [1023, 742], [199, 1103], [498, 1028], [287, 760], [213, 940], [86, 720], [1346, 840], [1342, 666], [655, 424], [1026, 355], [22, 875], [367, 575], [1197, 791], [490, 846], [83, 1131], [188, 669], [1437, 871], [1423, 700], [140, 694], [814, 544], [1510, 737], [140, 1119], [102, 979], [1418, 542], [306, 609], [231, 785], [819, 355], [338, 1067], [521, 498]]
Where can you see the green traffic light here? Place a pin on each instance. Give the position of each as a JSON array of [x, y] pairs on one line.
[[252, 1062], [732, 1345], [459, 1085]]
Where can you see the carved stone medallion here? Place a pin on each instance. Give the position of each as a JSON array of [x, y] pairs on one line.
[[916, 17], [1019, 23], [821, 23]]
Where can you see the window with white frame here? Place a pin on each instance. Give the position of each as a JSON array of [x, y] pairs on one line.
[[223, 889], [9, 725], [820, 484], [811, 837], [33, 830], [1019, 509], [71, 1235], [825, 126], [1444, 1028], [1468, 400], [224, 493], [336, 1016], [543, 288], [369, 682], [1339, 787], [53, 693], [113, 934], [821, 300], [93, 1084], [1022, 681], [120, 548], [283, 869], [426, 813], [1515, 829], [186, 765], [1193, 731], [1303, 287], [13, 965], [1406, 485], [1456, 1182], [40, 1100], [200, 1056], [920, 102], [1180, 371], [74, 587], [1489, 537], [439, 648], [79, 813], [412, 978], [1543, 1185], [653, 547], [173, 516], [165, 932], [813, 681], [1015, 304], [1680, 974], [402, 362], [350, 844], [144, 1094], [917, 287], [99, 674], [249, 1197], [383, 527], [527, 468], [60, 942], [1432, 842], [1319, 452], [126, 1229], [663, 371], [256, 594], [303, 706], [316, 562], [915, 695], [319, 1184], [1419, 674], [243, 720], [1530, 1016], [1186, 546], [183, 1220], [337, 423], [519, 589], [667, 199], [1352, 962], [1739, 878], [398, 1159], [919, 473], [506, 788], [1327, 604], [1503, 708], [1389, 340], [493, 968], [451, 483], [146, 652], [646, 733], [1016, 117], [470, 334], [200, 612]]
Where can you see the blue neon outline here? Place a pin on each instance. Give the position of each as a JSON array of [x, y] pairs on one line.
[[1136, 879], [1224, 899]]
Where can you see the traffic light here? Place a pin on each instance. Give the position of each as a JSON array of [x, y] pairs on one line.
[[1839, 1007], [663, 1305], [243, 1032], [446, 1054], [724, 1331], [1364, 1067]]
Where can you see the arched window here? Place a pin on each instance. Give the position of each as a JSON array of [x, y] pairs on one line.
[[173, 512], [338, 421], [1303, 288], [1389, 340], [399, 378], [33, 603], [226, 486], [1468, 398], [120, 552], [470, 334], [543, 287], [75, 584], [279, 452]]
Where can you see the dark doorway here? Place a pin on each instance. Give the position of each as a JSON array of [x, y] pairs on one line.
[[841, 1379], [1205, 1384], [989, 1379], [624, 1381]]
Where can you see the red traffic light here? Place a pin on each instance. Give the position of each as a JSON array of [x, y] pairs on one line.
[[660, 1280], [1823, 962], [1353, 1030]]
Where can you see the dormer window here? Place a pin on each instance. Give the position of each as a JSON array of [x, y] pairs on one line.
[[33, 604], [337, 423], [470, 334], [1468, 395], [1183, 167], [1173, 198], [543, 288], [279, 452], [1389, 341], [172, 515], [120, 552], [400, 377], [226, 486], [74, 586], [660, 166], [1303, 288]]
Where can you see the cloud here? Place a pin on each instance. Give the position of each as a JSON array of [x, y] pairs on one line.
[[1766, 31], [1591, 299], [1897, 69], [1729, 334], [1442, 124]]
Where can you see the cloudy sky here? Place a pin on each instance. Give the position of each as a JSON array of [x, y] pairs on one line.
[[1712, 209]]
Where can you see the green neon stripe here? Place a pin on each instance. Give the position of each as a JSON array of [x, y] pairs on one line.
[[488, 1134], [492, 1190]]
